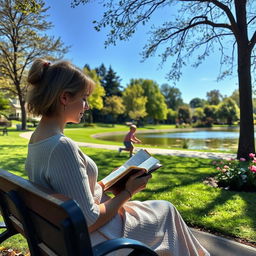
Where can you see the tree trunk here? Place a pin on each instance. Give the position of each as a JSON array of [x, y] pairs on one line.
[[246, 137], [23, 116]]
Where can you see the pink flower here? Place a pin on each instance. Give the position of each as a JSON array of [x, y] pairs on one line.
[[218, 168], [242, 159], [214, 162], [254, 160], [253, 168], [226, 167], [251, 155]]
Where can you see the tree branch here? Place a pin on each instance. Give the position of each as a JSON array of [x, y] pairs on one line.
[[223, 7], [252, 41]]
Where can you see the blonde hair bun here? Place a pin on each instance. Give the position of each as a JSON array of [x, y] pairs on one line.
[[37, 71]]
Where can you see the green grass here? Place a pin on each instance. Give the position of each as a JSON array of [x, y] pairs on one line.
[[179, 181]]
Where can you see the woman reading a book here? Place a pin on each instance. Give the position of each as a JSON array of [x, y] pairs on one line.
[[58, 93]]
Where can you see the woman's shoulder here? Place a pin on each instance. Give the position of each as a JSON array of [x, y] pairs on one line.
[[66, 142]]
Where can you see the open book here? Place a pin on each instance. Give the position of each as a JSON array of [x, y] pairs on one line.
[[141, 160]]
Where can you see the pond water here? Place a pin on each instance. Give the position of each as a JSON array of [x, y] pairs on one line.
[[224, 139]]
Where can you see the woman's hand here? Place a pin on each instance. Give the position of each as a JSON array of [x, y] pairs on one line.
[[136, 183]]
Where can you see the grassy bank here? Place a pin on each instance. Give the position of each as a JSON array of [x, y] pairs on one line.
[[180, 182]]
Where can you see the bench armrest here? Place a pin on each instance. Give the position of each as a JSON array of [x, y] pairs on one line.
[[121, 243]]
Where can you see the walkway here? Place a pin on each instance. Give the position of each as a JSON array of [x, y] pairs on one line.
[[216, 245]]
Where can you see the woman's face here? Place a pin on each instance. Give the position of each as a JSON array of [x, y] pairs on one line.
[[76, 107]]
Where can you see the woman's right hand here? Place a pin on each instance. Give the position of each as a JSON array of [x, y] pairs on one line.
[[136, 183]]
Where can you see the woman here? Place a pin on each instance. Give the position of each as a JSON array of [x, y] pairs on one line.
[[58, 92]]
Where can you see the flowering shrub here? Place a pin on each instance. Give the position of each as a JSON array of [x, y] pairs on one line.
[[234, 174]]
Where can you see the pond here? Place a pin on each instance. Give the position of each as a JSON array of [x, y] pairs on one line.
[[197, 139]]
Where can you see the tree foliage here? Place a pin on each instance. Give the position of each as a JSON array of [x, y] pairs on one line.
[[113, 106], [135, 101], [235, 97], [214, 97], [95, 100], [155, 106], [172, 96], [228, 110], [4, 102], [22, 39], [184, 114], [109, 81], [197, 103]]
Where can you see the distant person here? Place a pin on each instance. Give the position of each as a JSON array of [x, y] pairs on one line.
[[58, 92], [129, 139]]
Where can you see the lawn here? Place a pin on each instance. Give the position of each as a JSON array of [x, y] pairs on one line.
[[179, 181]]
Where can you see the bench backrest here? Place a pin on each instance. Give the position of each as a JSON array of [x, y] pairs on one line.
[[52, 223]]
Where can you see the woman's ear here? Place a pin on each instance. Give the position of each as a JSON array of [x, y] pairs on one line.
[[64, 98]]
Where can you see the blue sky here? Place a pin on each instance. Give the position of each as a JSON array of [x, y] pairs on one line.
[[74, 26]]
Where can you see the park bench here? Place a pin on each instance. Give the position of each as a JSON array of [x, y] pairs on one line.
[[52, 223]]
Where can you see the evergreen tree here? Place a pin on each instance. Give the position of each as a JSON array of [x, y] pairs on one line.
[[109, 81]]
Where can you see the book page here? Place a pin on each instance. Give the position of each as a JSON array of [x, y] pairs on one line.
[[114, 174], [148, 163], [137, 159]]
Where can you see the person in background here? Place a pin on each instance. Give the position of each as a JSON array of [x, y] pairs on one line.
[[58, 92], [129, 139]]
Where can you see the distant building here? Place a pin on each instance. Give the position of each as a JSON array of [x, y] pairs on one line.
[[15, 110]]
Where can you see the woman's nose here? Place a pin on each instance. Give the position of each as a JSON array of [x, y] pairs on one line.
[[86, 105]]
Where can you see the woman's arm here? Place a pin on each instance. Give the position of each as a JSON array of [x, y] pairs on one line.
[[111, 207]]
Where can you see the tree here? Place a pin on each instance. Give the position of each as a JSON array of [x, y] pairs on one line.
[[198, 114], [198, 26], [4, 104], [228, 110], [135, 101], [235, 97], [184, 114], [109, 81], [22, 39], [210, 112], [113, 106], [197, 103], [172, 116], [214, 97], [172, 96], [96, 98], [155, 106], [101, 72]]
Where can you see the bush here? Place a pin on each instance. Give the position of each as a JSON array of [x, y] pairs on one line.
[[238, 175]]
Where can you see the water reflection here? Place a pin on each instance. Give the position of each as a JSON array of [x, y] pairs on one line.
[[225, 140]]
